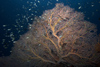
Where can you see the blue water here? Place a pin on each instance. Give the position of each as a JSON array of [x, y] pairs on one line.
[[16, 15]]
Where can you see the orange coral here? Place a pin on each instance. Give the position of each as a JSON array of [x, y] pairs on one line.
[[59, 37]]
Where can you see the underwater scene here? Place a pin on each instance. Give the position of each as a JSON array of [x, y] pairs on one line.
[[50, 33]]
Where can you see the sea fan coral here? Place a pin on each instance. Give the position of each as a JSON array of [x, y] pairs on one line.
[[60, 37]]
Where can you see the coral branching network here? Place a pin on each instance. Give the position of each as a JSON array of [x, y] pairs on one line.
[[60, 37]]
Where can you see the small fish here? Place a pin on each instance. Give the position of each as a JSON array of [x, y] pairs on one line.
[[64, 19]]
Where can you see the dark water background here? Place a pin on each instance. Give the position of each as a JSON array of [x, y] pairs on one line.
[[16, 15]]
